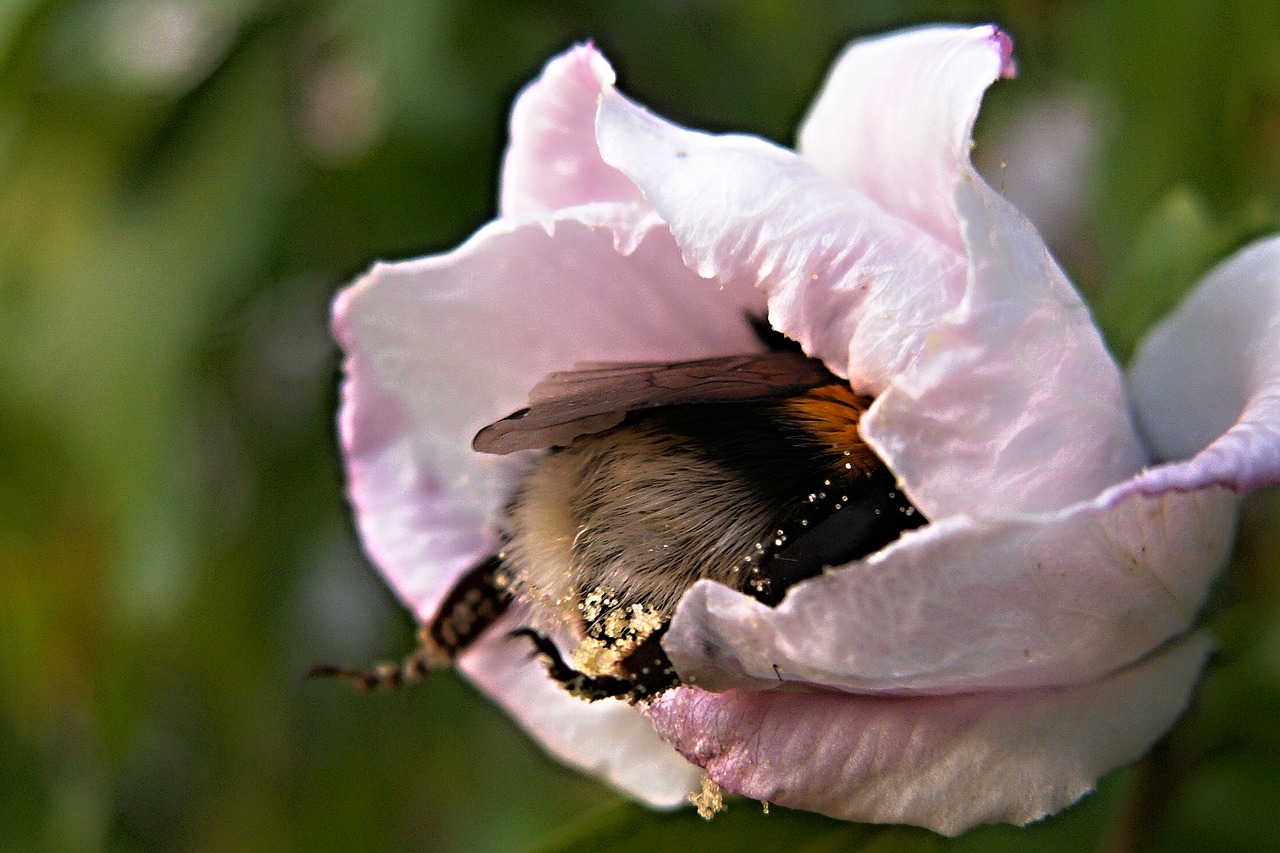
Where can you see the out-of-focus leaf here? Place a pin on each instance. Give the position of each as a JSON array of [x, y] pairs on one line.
[[14, 14], [115, 289], [629, 828], [1192, 91], [1229, 803], [1174, 247], [1222, 787]]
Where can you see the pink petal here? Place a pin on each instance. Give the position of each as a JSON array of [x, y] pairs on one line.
[[552, 160], [610, 738], [408, 524], [1018, 406], [998, 396], [946, 763], [1206, 382], [441, 346], [917, 92], [856, 288], [963, 605]]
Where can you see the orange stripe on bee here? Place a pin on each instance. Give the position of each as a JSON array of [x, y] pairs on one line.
[[831, 414]]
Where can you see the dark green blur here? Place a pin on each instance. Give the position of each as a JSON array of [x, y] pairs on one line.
[[183, 187]]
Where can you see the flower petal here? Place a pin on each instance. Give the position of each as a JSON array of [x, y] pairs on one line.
[[858, 289], [1018, 401], [963, 606], [920, 91], [552, 160], [998, 396], [946, 763], [441, 346], [1206, 381], [609, 738]]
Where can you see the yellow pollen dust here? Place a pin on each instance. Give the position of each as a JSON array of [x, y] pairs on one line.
[[623, 629], [594, 657], [597, 601], [709, 801]]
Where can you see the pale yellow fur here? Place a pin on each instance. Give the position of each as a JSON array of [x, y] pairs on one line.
[[636, 511]]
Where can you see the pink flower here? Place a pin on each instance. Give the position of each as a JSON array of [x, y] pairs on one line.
[[990, 666]]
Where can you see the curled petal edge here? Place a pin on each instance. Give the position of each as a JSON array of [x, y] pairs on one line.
[[921, 90], [1206, 380], [962, 606], [945, 763], [552, 161]]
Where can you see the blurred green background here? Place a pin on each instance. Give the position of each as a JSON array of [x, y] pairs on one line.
[[183, 187]]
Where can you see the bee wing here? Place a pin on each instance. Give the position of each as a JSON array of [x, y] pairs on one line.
[[596, 396]]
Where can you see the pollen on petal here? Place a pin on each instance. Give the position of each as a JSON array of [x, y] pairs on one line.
[[710, 800]]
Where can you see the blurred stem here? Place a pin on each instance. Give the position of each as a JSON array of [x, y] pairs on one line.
[[1156, 780]]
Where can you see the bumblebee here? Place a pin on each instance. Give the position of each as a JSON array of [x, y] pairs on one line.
[[746, 470]]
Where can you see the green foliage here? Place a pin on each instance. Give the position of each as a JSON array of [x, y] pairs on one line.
[[1173, 248], [744, 825], [174, 546]]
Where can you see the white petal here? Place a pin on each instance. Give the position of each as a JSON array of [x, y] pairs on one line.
[[441, 346], [857, 288], [895, 119], [552, 161], [1206, 381], [965, 606], [609, 738], [1001, 397], [1018, 406], [946, 763]]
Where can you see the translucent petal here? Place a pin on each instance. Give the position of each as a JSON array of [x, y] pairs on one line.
[[919, 91], [552, 160], [998, 396]]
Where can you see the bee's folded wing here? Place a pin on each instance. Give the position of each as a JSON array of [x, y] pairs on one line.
[[597, 396]]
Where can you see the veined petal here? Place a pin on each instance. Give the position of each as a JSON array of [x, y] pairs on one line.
[[946, 763], [1206, 381], [967, 605], [857, 288], [609, 738], [920, 91], [998, 395], [1018, 400], [552, 160], [441, 346]]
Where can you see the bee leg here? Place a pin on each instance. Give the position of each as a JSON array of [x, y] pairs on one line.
[[648, 667], [382, 676], [589, 687], [475, 602], [647, 670]]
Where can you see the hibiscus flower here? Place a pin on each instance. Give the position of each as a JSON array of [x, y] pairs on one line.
[[989, 666]]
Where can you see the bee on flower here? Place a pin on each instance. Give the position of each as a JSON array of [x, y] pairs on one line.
[[805, 471]]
